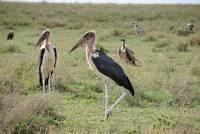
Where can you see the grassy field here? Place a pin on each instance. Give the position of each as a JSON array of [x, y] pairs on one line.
[[167, 82]]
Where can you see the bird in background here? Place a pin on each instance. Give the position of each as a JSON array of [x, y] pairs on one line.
[[138, 29], [47, 59], [10, 35], [105, 67], [190, 27], [127, 54]]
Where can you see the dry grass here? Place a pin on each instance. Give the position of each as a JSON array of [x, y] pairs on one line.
[[111, 33], [183, 33], [194, 41], [183, 47], [183, 94], [195, 66], [150, 39], [10, 48], [25, 114], [161, 45]]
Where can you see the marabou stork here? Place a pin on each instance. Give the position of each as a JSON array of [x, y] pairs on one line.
[[47, 59], [189, 27], [127, 54], [105, 67], [137, 29], [10, 35]]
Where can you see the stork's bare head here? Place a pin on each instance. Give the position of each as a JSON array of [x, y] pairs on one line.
[[87, 38], [45, 34]]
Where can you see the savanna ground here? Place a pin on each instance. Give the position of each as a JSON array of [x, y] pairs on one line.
[[167, 82]]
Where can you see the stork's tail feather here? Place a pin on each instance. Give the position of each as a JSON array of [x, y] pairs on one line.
[[129, 86]]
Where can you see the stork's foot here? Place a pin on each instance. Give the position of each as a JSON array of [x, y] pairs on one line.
[[108, 115]]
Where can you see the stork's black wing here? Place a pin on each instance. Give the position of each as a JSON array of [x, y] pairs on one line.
[[111, 69], [55, 52], [10, 36], [40, 60]]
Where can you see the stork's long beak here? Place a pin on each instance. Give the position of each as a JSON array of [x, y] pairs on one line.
[[79, 43], [40, 40]]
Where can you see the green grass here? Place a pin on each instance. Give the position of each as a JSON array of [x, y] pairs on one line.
[[166, 82]]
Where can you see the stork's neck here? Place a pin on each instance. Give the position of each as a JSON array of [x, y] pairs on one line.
[[89, 50], [47, 41]]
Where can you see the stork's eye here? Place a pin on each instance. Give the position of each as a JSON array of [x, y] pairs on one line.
[[89, 36]]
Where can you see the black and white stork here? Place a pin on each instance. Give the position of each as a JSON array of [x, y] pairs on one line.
[[127, 54], [47, 59], [105, 67], [10, 35]]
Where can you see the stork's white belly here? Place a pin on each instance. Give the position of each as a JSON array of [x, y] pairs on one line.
[[48, 62]]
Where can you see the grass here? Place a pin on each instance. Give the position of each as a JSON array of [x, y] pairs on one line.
[[166, 82]]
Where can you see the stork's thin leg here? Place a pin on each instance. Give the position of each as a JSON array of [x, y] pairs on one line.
[[106, 99], [49, 83], [52, 82], [43, 83], [117, 101]]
